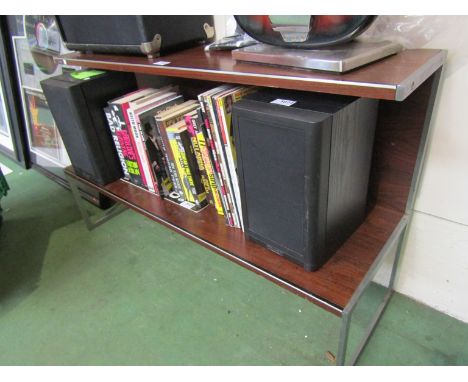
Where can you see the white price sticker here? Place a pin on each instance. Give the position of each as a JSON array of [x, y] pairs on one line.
[[161, 63], [284, 102], [188, 205]]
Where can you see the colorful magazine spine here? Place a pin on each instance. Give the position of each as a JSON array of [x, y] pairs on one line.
[[198, 156], [197, 124], [189, 165], [155, 156], [135, 127], [114, 128], [125, 108], [224, 172], [154, 144], [179, 164], [225, 128], [169, 156], [126, 145], [214, 157]]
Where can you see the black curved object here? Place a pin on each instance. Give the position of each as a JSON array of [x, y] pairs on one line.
[[304, 32]]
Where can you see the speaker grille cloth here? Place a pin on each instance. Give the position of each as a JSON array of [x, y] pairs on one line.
[[274, 180]]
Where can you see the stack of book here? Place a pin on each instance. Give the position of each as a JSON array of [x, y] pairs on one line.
[[180, 150]]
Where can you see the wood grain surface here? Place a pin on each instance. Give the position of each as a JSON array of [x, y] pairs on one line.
[[392, 78], [400, 133]]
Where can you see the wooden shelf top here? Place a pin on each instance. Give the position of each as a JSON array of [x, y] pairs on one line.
[[331, 287], [393, 78]]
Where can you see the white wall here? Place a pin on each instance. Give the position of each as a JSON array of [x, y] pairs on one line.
[[220, 22], [434, 266], [434, 269]]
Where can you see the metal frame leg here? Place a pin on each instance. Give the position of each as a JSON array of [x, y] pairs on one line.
[[90, 220], [397, 236], [400, 236]]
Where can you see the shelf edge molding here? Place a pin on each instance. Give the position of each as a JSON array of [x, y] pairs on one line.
[[393, 78]]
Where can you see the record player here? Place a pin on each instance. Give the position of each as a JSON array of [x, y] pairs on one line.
[[312, 42]]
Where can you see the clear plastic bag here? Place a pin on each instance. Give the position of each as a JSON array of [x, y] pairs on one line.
[[231, 42], [410, 31], [231, 36], [437, 32]]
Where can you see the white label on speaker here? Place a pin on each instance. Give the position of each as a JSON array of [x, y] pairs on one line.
[[161, 63], [284, 102]]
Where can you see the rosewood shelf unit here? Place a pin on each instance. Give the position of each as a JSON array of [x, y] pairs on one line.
[[405, 83]]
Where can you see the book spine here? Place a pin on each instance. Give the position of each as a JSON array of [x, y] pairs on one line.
[[208, 138], [152, 163], [114, 127], [171, 164], [228, 155], [141, 151], [154, 145], [198, 156], [156, 157], [217, 141], [197, 123], [214, 157], [179, 167], [128, 150], [189, 164], [125, 108]]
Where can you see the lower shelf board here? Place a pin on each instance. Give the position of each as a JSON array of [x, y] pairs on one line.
[[331, 287]]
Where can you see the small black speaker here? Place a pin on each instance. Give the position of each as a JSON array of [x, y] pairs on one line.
[[76, 100], [303, 162]]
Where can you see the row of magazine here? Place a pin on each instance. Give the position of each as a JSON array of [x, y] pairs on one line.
[[180, 150]]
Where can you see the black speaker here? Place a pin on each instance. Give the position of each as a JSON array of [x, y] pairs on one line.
[[76, 101], [131, 34], [303, 166]]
